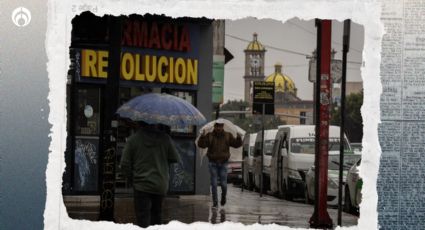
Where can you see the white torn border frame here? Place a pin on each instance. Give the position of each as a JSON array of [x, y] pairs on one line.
[[58, 37]]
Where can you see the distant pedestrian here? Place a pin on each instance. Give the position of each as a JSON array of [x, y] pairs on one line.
[[218, 143], [145, 161]]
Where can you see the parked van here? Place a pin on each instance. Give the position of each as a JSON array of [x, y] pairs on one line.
[[248, 160], [294, 154], [269, 140]]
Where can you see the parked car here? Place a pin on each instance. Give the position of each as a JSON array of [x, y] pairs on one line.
[[293, 155], [353, 187], [234, 172], [333, 177], [234, 167], [248, 160], [356, 147], [269, 140]]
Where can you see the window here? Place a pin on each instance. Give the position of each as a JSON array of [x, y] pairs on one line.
[[88, 115], [86, 142], [190, 97], [303, 145], [302, 118], [268, 147], [307, 145]]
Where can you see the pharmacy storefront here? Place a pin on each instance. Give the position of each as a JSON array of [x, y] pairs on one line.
[[114, 59]]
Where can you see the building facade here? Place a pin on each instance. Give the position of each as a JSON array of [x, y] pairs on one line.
[[114, 59], [288, 106]]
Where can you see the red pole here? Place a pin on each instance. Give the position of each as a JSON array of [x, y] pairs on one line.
[[321, 218]]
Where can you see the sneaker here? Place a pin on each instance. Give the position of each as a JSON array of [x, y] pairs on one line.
[[223, 200]]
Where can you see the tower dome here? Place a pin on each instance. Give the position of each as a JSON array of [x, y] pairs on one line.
[[255, 45], [283, 83]]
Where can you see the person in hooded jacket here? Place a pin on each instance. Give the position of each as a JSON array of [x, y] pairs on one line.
[[145, 161], [218, 143]]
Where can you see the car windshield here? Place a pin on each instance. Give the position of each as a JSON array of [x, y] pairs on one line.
[[307, 145], [349, 160]]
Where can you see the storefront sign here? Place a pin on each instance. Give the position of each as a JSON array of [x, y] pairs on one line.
[[153, 53], [218, 79], [153, 35], [263, 94], [161, 69], [139, 67]]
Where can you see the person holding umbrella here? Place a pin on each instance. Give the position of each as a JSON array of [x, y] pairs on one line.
[[148, 153], [218, 142], [145, 161]]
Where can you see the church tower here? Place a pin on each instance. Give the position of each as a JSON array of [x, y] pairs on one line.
[[254, 66]]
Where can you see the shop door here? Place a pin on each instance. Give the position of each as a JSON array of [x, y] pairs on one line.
[[182, 175], [86, 140]]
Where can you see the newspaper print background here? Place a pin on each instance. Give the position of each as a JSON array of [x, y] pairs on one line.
[[401, 181]]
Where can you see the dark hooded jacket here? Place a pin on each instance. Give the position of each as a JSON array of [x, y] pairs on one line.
[[218, 145], [146, 159]]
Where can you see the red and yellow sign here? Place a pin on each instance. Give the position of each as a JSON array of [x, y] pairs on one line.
[[153, 35], [141, 67], [161, 52]]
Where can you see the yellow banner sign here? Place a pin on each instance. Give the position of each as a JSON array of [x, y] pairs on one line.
[[141, 67]]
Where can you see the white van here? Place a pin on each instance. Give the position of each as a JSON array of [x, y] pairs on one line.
[[269, 140], [294, 154], [248, 160]]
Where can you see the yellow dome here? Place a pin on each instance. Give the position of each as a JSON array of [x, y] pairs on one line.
[[283, 83], [255, 45]]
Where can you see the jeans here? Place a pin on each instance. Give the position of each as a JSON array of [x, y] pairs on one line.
[[148, 208], [218, 170]]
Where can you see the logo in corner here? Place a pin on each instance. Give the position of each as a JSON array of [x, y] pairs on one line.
[[21, 17]]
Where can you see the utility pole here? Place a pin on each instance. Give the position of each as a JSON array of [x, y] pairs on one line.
[[217, 111], [111, 102], [345, 49], [262, 150], [321, 218]]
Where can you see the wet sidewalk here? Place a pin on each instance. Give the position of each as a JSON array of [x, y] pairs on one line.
[[248, 208], [245, 207]]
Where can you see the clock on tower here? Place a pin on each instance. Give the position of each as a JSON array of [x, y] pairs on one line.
[[254, 65], [255, 61]]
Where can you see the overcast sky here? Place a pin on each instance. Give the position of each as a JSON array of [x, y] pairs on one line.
[[294, 35]]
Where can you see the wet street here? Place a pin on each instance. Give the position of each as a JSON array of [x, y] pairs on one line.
[[246, 207]]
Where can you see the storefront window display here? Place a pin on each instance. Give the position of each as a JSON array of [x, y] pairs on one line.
[[88, 118], [86, 142]]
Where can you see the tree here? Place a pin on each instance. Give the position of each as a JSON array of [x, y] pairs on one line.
[[250, 123], [234, 105], [353, 118]]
